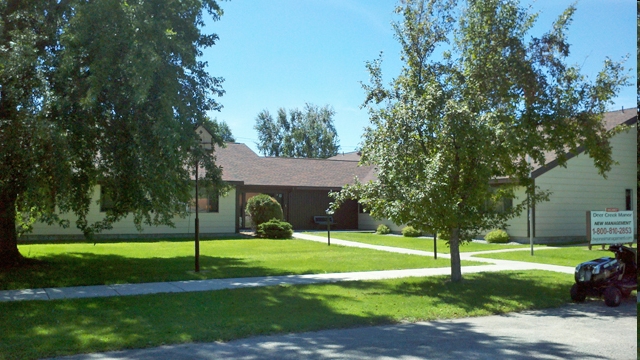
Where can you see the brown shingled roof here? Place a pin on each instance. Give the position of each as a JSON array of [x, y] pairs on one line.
[[241, 164], [350, 156]]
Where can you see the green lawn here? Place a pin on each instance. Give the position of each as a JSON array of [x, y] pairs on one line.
[[425, 244], [566, 256], [136, 262], [37, 329]]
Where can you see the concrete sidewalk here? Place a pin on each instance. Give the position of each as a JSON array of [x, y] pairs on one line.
[[77, 292], [507, 264]]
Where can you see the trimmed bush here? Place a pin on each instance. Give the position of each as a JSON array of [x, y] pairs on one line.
[[275, 229], [410, 231], [443, 236], [263, 208], [383, 229], [497, 236]]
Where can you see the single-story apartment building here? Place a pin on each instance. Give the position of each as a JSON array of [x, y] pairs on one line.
[[302, 187]]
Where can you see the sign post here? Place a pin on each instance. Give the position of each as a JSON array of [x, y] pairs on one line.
[[609, 227], [329, 220], [435, 245]]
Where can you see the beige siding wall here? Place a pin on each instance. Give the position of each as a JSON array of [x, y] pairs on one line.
[[366, 222], [218, 223], [517, 227], [579, 188], [576, 189]]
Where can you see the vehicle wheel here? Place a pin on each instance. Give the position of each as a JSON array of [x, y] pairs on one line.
[[612, 296], [577, 293]]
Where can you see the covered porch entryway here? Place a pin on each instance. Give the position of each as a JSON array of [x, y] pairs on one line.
[[299, 206]]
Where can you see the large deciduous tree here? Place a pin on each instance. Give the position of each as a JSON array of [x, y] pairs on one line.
[[100, 92], [478, 96], [302, 134]]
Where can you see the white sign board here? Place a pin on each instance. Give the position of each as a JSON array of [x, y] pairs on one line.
[[610, 227]]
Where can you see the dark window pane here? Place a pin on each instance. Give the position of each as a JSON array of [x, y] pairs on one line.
[[106, 202]]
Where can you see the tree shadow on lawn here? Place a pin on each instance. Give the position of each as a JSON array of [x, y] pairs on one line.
[[38, 329], [81, 268], [51, 328], [108, 240], [482, 293], [84, 267]]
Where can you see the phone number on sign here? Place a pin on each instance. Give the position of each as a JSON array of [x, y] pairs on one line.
[[612, 231]]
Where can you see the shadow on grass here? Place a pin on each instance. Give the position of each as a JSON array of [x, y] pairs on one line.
[[63, 266], [483, 292], [38, 329], [81, 268], [106, 240], [43, 329]]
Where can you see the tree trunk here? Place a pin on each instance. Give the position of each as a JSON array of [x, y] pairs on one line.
[[9, 254], [454, 245]]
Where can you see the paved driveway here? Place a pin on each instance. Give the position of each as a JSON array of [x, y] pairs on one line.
[[578, 331]]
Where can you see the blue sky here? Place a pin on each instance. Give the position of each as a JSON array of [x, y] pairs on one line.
[[285, 53]]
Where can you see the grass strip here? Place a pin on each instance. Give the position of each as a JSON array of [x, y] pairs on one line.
[[37, 329], [419, 243], [137, 262], [568, 256]]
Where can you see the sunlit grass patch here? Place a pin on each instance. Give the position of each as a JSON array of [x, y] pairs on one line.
[[37, 329], [566, 256], [137, 262], [419, 243]]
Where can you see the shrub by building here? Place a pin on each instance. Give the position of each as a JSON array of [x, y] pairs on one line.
[[497, 236], [410, 231], [263, 208], [275, 229], [383, 229]]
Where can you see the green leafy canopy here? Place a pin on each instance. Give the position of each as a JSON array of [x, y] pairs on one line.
[[101, 92], [308, 134], [479, 99]]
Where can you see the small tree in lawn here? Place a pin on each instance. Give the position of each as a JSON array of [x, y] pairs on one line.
[[474, 100]]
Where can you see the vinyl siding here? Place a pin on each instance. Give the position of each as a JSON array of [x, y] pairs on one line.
[[517, 227], [575, 190], [579, 188], [210, 223], [366, 222]]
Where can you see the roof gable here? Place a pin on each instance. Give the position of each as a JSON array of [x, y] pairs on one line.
[[611, 120]]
